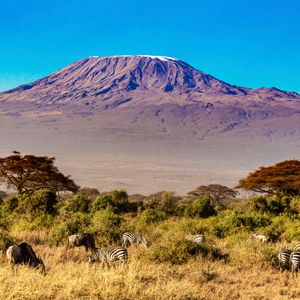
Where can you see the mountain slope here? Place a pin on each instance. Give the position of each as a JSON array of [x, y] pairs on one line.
[[98, 79], [147, 123], [159, 93]]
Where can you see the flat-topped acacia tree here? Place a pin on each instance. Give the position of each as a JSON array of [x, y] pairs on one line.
[[281, 178], [217, 193], [29, 173]]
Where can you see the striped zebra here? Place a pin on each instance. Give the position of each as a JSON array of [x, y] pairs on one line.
[[295, 262], [133, 238], [295, 246], [284, 259], [108, 255], [196, 238]]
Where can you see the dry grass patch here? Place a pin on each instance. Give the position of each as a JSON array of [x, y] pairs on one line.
[[69, 277]]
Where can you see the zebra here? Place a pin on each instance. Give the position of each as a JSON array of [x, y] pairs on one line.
[[196, 238], [295, 246], [295, 262], [133, 238], [107, 255], [284, 259]]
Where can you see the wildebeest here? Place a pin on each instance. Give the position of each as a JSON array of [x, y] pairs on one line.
[[23, 254], [259, 237], [85, 239]]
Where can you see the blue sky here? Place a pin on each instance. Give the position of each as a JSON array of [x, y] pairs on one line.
[[250, 43]]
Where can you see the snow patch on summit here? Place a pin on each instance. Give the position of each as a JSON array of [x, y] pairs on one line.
[[164, 58]]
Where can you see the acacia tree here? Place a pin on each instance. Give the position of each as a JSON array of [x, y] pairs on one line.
[[217, 193], [281, 178], [29, 173]]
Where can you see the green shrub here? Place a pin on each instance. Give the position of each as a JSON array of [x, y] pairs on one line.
[[292, 231], [120, 200], [274, 204], [102, 202], [68, 224], [106, 224], [41, 201], [78, 203], [58, 234], [295, 205], [33, 222], [10, 204], [229, 222], [200, 208], [168, 203], [276, 229], [145, 221], [6, 240], [175, 249], [150, 216], [171, 248]]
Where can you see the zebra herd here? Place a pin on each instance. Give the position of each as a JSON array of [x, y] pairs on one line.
[[107, 255], [23, 253], [289, 259]]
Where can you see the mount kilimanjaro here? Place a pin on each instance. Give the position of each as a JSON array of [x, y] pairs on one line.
[[151, 114]]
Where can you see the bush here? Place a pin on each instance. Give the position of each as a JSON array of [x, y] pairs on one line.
[[102, 202], [68, 224], [106, 224], [33, 222], [168, 203], [58, 234], [78, 203], [172, 248], [6, 240], [142, 223], [295, 205], [200, 208], [150, 216], [10, 204], [276, 229], [42, 201], [270, 204], [292, 231], [175, 249], [228, 222]]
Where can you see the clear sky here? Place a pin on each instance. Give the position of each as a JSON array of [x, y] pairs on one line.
[[251, 43]]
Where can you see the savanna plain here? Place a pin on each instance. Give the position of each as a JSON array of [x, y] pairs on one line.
[[229, 265]]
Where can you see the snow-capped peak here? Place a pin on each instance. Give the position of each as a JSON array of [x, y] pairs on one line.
[[164, 58]]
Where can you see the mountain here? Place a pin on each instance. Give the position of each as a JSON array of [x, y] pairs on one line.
[[154, 87], [109, 82], [156, 116]]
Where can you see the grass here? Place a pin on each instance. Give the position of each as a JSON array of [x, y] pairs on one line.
[[247, 275]]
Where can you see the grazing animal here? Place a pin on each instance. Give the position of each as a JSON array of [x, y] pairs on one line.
[[295, 262], [78, 240], [284, 259], [259, 237], [23, 254], [296, 246], [107, 255], [196, 238], [133, 238]]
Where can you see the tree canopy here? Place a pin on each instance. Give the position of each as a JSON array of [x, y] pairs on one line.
[[217, 193], [29, 173], [283, 177]]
